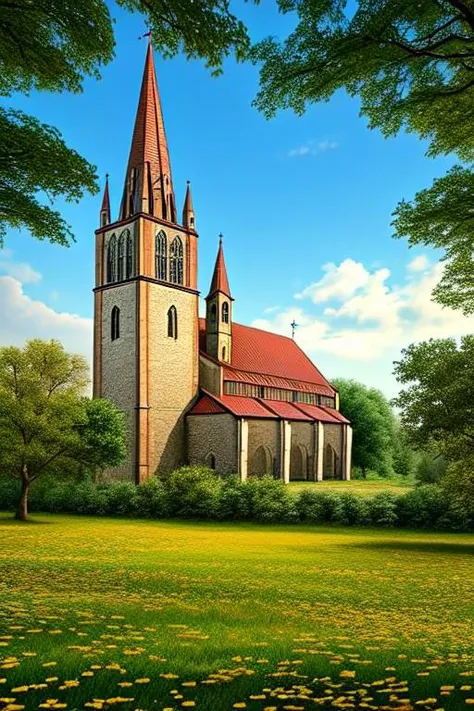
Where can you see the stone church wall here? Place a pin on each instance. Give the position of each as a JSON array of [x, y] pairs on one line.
[[119, 367], [302, 433], [333, 436], [213, 434], [266, 433], [210, 376], [172, 374]]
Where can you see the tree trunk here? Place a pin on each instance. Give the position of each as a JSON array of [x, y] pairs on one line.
[[22, 510]]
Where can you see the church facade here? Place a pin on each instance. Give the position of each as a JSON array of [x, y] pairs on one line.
[[196, 390]]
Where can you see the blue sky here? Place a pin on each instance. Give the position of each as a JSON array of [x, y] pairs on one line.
[[291, 196]]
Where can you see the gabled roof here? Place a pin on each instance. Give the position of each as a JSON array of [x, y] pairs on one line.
[[265, 358], [248, 407], [209, 404]]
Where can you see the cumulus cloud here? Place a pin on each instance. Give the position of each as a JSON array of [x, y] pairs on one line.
[[418, 264], [18, 270], [24, 318], [356, 321], [313, 148]]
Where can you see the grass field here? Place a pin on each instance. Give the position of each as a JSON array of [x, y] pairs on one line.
[[102, 613], [368, 487]]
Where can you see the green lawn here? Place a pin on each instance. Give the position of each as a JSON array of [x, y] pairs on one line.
[[368, 487], [168, 615]]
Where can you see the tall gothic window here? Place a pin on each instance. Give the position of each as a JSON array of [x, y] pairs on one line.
[[121, 257], [111, 259], [176, 261], [172, 322], [161, 255], [129, 262], [225, 312], [115, 323]]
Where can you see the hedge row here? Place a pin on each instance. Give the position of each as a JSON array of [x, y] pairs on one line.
[[197, 493]]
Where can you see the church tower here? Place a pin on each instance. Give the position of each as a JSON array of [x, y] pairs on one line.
[[219, 312], [146, 300]]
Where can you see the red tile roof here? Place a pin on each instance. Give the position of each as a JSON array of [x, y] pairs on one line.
[[209, 404], [220, 281], [265, 358], [321, 414], [286, 410]]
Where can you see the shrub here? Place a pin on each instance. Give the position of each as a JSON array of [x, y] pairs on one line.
[[423, 507], [430, 469], [353, 510], [383, 509], [458, 486], [151, 499], [270, 501], [193, 492], [122, 498], [310, 506], [234, 500]]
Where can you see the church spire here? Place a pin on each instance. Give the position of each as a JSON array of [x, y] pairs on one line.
[[220, 281], [148, 184], [188, 210], [105, 209]]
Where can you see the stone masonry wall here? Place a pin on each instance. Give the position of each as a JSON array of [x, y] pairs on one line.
[[216, 434], [119, 367], [172, 374], [209, 376], [333, 436], [267, 433], [302, 433]]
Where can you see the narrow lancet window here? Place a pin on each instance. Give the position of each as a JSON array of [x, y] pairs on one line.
[[115, 323], [111, 259], [172, 322], [225, 312], [161, 248], [176, 261], [121, 257], [129, 270]]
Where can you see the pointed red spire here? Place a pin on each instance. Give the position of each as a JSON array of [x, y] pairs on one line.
[[220, 281], [148, 184], [105, 209], [188, 210]]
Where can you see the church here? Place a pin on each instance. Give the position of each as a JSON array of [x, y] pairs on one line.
[[196, 390]]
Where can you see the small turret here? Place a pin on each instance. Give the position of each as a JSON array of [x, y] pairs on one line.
[[188, 210], [105, 209], [219, 312]]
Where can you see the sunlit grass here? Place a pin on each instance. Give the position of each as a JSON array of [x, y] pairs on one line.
[[365, 487], [103, 613]]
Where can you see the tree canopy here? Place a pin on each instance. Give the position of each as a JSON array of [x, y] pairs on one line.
[[373, 426], [412, 66], [53, 45], [46, 422], [437, 399]]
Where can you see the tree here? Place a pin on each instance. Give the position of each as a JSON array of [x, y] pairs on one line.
[[403, 456], [372, 423], [53, 45], [46, 423], [412, 65], [437, 401]]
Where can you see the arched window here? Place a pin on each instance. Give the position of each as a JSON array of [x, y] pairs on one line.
[[213, 312], [172, 322], [161, 256], [129, 269], [211, 461], [176, 261], [115, 323], [121, 257], [262, 461], [224, 352], [225, 312], [111, 259], [329, 462]]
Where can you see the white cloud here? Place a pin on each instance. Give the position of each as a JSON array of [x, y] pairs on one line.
[[18, 270], [418, 264], [271, 309], [313, 148], [24, 318], [362, 321]]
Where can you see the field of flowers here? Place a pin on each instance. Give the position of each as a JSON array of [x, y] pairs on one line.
[[120, 614]]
